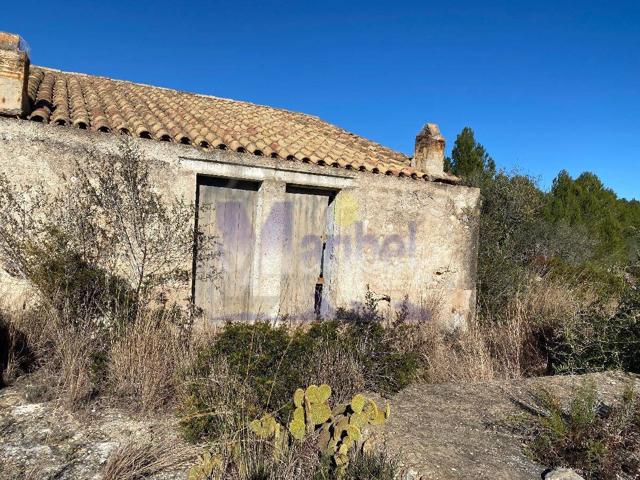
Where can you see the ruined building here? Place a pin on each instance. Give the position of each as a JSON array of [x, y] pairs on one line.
[[308, 215]]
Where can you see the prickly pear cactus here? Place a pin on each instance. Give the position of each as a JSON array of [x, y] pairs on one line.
[[311, 410], [344, 430], [339, 430], [266, 427], [206, 468]]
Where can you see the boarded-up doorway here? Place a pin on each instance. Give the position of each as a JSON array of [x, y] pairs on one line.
[[226, 212], [304, 270]]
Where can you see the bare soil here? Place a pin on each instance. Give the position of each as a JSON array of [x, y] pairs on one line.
[[43, 440]]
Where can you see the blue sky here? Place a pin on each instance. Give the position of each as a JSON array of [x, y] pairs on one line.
[[545, 85]]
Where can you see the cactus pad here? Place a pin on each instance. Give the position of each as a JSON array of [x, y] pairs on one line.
[[323, 440], [311, 394], [265, 427], [318, 413], [359, 420], [296, 427], [324, 392], [378, 419], [298, 414], [354, 432], [341, 459], [298, 397], [357, 403]]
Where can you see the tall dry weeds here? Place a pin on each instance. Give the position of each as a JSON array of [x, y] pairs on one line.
[[100, 256], [138, 459], [338, 368], [145, 363], [64, 353], [511, 345]]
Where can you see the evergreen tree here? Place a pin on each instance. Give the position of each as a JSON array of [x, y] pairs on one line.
[[586, 202], [469, 159]]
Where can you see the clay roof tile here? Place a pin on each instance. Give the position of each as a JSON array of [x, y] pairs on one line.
[[116, 106]]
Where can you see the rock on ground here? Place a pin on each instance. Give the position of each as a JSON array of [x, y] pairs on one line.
[[45, 441], [562, 474]]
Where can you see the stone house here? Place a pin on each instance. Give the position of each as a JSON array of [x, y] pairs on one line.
[[309, 215]]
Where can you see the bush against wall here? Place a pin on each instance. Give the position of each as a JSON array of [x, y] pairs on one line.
[[269, 362], [102, 253]]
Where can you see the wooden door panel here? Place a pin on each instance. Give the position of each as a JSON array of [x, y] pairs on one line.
[[227, 212], [303, 250]]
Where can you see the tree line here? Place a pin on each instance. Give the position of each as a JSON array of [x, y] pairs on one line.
[[579, 229]]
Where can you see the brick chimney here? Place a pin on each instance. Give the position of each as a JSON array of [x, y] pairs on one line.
[[428, 154], [14, 75]]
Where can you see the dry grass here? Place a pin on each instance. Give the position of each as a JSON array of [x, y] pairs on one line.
[[339, 368], [62, 350], [145, 363], [498, 348], [77, 360], [140, 459], [243, 456]]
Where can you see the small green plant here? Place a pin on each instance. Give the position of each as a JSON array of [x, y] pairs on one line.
[[207, 467], [338, 431], [601, 441]]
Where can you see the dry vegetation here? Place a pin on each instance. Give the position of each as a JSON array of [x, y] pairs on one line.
[[135, 460], [601, 440]]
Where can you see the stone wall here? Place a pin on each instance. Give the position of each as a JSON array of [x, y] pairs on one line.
[[398, 235]]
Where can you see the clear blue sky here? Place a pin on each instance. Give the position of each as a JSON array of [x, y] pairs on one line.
[[546, 85]]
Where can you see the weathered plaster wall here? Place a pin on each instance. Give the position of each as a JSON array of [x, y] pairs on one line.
[[397, 235], [407, 238]]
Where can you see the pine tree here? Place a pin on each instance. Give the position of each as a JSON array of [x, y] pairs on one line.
[[586, 202], [469, 159]]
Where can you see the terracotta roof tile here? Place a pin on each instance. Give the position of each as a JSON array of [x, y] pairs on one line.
[[119, 107]]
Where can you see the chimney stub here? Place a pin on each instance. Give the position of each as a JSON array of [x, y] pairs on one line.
[[14, 75], [428, 154]]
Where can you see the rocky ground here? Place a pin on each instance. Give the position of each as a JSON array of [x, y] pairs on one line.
[[42, 440], [461, 431], [449, 431]]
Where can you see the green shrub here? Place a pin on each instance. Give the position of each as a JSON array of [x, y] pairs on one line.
[[268, 359], [84, 292], [595, 341], [605, 283], [387, 368], [600, 440], [269, 363]]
